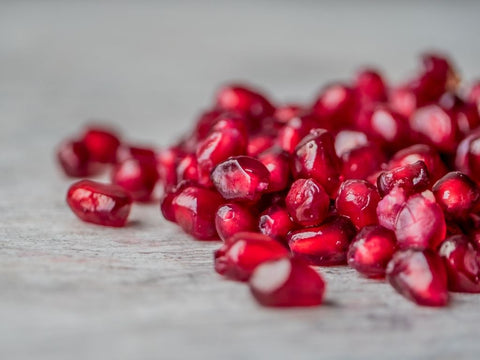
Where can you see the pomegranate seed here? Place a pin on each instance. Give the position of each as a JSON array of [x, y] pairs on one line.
[[74, 159], [233, 218], [324, 245], [435, 166], [166, 206], [412, 178], [371, 250], [287, 283], [102, 144], [370, 86], [315, 158], [276, 223], [167, 161], [205, 123], [362, 161], [126, 152], [457, 194], [420, 223], [403, 100], [358, 199], [295, 130], [98, 203], [462, 262], [419, 276], [389, 207], [238, 258], [474, 93], [187, 168], [285, 113], [259, 143], [277, 163], [241, 178], [473, 158], [137, 177], [336, 105], [194, 210], [347, 140], [465, 114]]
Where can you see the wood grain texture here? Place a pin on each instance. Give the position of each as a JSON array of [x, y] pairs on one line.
[[69, 290]]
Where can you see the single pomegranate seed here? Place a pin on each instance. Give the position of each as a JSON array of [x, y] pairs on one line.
[[419, 276], [436, 77], [347, 140], [276, 223], [126, 152], [137, 177], [307, 202], [473, 158], [238, 258], [462, 262], [403, 100], [457, 194], [285, 113], [277, 163], [474, 93], [167, 161], [187, 168], [166, 203], [465, 114], [287, 283], [435, 166], [241, 178], [233, 218], [436, 126], [97, 203], [358, 199], [315, 158], [420, 223], [295, 130], [336, 105], [324, 245], [413, 178], [259, 143], [194, 209], [370, 86], [218, 147], [389, 207], [362, 161], [102, 144], [74, 159], [205, 122], [371, 250]]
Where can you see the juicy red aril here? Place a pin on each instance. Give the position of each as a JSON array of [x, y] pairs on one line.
[[403, 100], [285, 113], [125, 152], [371, 250], [335, 106], [389, 207], [295, 130], [358, 199], [315, 157], [457, 194], [194, 209], [362, 161], [259, 143], [462, 262], [324, 245], [97, 203], [277, 163], [412, 178], [241, 178], [238, 259], [420, 276], [233, 218], [287, 283], [275, 222], [74, 159], [370, 86], [102, 144], [137, 177], [187, 168], [347, 140], [307, 202], [420, 223], [167, 161]]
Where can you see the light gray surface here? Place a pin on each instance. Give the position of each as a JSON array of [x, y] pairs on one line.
[[74, 291]]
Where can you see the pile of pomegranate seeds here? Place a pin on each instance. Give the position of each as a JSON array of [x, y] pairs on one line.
[[382, 178]]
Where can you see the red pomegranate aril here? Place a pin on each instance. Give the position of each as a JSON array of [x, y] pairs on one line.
[[413, 178], [259, 143], [403, 100], [277, 163], [420, 276], [473, 158], [347, 140], [295, 130], [285, 113], [276, 222], [335, 105], [241, 178], [194, 209], [324, 245], [307, 202], [387, 127], [233, 218], [389, 207], [370, 86], [167, 161], [205, 122], [465, 114], [358, 200], [74, 158], [371, 250], [287, 283], [102, 144], [457, 194], [218, 147], [187, 168], [238, 258], [361, 162], [420, 223], [125, 152], [435, 166], [462, 262], [137, 177], [315, 157], [436, 126], [98, 203]]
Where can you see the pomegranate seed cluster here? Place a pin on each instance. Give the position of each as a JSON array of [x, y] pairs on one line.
[[382, 178]]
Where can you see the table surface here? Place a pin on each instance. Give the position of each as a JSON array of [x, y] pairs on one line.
[[69, 290]]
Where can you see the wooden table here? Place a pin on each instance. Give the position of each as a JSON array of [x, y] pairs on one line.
[[74, 291]]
